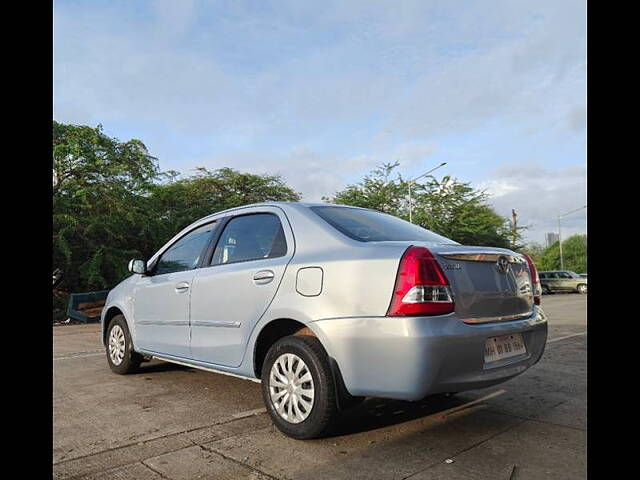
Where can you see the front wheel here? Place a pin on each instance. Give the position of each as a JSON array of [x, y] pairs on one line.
[[546, 290], [298, 388], [120, 354], [582, 288]]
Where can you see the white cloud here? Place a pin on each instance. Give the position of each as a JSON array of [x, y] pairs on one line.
[[324, 92], [539, 195], [422, 69], [498, 188], [174, 18], [314, 174]]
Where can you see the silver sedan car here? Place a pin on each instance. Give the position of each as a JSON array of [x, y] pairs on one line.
[[325, 305]]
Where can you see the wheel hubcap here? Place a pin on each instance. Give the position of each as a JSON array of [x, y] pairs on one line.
[[291, 388], [116, 345]]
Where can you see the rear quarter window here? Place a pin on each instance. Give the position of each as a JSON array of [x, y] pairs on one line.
[[371, 226]]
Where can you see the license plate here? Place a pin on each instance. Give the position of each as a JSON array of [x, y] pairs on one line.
[[506, 346]]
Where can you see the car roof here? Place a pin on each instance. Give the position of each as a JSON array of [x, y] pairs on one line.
[[295, 204], [283, 204]]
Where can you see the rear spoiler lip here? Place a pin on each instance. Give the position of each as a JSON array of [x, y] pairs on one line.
[[486, 256], [500, 318]]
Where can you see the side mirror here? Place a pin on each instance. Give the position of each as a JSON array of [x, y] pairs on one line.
[[138, 266]]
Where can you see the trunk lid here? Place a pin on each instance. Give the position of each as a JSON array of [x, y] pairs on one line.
[[488, 284]]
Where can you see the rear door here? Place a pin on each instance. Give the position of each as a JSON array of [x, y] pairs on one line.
[[488, 284], [230, 295]]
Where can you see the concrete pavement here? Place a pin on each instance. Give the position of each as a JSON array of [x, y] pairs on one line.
[[173, 422]]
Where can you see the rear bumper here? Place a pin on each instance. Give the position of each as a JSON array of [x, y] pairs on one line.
[[409, 358]]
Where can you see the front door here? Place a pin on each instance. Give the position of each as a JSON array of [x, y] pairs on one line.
[[161, 299], [230, 295]]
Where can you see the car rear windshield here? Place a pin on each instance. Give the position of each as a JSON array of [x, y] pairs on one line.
[[371, 226]]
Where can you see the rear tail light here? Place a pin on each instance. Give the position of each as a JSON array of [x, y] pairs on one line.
[[535, 280], [421, 286]]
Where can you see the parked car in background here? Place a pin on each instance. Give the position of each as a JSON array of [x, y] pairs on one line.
[[326, 305], [583, 275], [562, 281]]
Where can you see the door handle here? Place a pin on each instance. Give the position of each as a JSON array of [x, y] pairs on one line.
[[263, 276], [182, 287]]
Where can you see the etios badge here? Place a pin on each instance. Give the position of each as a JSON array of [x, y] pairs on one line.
[[502, 264]]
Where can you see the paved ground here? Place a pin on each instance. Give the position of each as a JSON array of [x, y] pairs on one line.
[[171, 422]]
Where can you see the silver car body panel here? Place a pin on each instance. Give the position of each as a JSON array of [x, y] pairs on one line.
[[228, 300], [341, 289], [408, 358]]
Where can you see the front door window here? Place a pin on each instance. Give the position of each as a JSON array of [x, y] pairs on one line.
[[186, 252]]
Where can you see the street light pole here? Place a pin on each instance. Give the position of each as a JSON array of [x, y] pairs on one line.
[[413, 180], [410, 219], [560, 233]]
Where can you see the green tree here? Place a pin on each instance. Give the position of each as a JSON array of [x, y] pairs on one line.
[[460, 212], [111, 203], [179, 202], [98, 201], [574, 255], [448, 207], [536, 252], [376, 191]]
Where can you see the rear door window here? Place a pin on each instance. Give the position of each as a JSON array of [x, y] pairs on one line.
[[250, 237], [371, 226]]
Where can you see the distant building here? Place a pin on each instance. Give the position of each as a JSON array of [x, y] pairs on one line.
[[552, 238]]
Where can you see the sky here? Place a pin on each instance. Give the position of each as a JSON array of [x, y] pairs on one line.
[[323, 92]]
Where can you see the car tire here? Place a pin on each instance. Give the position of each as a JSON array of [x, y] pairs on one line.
[[545, 290], [582, 288], [119, 347], [298, 388]]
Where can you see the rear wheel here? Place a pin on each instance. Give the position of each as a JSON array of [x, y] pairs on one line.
[[120, 354], [298, 388], [582, 288], [546, 290]]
